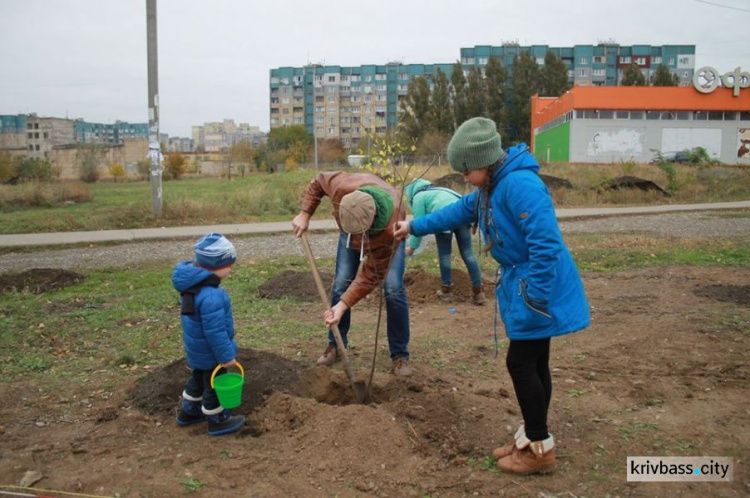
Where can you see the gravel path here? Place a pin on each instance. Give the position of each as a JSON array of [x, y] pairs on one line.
[[734, 224]]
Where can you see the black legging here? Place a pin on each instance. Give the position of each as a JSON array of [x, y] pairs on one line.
[[528, 365]]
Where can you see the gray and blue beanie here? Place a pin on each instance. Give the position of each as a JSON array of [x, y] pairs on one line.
[[214, 252]]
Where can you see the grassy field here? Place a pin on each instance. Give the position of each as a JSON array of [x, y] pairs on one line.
[[116, 320], [32, 208]]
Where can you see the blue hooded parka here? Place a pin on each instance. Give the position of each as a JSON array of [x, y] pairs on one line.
[[540, 291], [207, 334]]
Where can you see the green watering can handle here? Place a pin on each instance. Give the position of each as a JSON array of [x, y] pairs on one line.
[[242, 371]]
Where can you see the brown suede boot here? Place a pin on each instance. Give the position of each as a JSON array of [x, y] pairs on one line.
[[536, 457], [478, 298], [445, 294], [504, 451]]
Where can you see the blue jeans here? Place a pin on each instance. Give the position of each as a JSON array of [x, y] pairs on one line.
[[444, 242], [397, 309]]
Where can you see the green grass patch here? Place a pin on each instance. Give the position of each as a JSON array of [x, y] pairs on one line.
[[625, 252], [119, 321]]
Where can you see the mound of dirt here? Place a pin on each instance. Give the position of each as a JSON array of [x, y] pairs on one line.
[[294, 284], [553, 182], [421, 286], [738, 294], [39, 280], [265, 373], [630, 182]]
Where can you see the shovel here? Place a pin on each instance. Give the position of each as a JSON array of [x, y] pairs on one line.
[[359, 387]]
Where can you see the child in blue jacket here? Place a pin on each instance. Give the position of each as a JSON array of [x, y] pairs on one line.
[[540, 293], [207, 332], [424, 198]]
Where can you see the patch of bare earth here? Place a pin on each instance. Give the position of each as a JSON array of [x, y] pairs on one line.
[[661, 371]]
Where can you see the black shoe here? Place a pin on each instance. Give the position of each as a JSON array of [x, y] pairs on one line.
[[224, 423], [184, 418]]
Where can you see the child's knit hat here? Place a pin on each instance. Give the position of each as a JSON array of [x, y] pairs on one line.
[[476, 144], [214, 252]]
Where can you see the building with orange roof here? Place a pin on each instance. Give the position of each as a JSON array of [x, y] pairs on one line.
[[611, 124]]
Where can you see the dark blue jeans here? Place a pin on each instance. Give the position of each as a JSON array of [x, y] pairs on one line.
[[396, 306], [199, 386], [444, 242]]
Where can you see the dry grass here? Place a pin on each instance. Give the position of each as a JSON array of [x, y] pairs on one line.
[[42, 194]]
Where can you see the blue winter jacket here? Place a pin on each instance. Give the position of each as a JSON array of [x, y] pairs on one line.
[[208, 334], [540, 293]]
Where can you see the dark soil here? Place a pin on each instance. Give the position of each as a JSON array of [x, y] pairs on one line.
[[265, 373], [738, 294], [632, 182], [553, 182], [294, 284], [39, 280]]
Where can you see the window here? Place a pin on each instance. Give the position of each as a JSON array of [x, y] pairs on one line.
[[332, 131], [319, 99], [381, 98], [483, 61], [331, 79], [285, 110], [355, 77], [668, 115], [319, 119], [298, 79], [367, 89], [331, 98], [622, 115], [653, 115], [368, 98], [297, 109], [744, 116], [36, 147], [590, 114], [368, 78], [36, 126], [625, 59], [599, 72], [730, 116], [28, 126], [380, 77], [684, 60], [582, 73], [29, 135], [636, 114], [670, 61], [403, 88], [332, 110], [715, 115], [700, 116], [598, 59], [584, 61], [656, 60], [606, 114], [297, 120], [346, 88], [285, 100], [31, 147], [683, 115], [344, 77], [332, 121], [686, 74], [319, 109], [380, 88]]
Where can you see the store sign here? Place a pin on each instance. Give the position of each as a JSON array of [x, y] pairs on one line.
[[707, 79]]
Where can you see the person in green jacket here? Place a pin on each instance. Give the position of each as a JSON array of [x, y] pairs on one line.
[[424, 198]]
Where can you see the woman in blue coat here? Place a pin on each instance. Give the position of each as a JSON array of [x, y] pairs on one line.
[[540, 293]]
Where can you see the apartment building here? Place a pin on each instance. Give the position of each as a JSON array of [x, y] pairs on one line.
[[110, 134], [594, 65], [348, 102], [220, 136], [343, 102]]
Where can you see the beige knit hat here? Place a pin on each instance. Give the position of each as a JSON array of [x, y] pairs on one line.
[[356, 212]]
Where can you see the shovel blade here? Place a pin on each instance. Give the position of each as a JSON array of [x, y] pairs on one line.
[[360, 390]]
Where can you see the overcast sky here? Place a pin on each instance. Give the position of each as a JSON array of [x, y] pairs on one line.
[[87, 58]]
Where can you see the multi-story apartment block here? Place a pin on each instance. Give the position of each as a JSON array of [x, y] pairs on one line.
[[343, 102], [42, 134], [111, 134], [348, 102], [220, 136], [594, 65], [13, 131]]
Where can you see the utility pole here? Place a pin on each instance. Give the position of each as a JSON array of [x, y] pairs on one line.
[[154, 148]]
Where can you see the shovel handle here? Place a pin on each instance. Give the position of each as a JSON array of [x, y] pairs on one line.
[[242, 371]]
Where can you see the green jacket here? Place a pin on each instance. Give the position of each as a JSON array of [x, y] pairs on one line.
[[424, 198]]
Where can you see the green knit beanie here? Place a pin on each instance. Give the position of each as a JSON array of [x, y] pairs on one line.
[[475, 145]]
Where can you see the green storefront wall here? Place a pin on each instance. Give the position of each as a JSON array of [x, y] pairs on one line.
[[558, 141]]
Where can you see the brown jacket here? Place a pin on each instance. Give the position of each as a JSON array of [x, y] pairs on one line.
[[378, 248]]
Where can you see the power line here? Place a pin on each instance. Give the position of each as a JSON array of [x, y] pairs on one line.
[[723, 6]]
